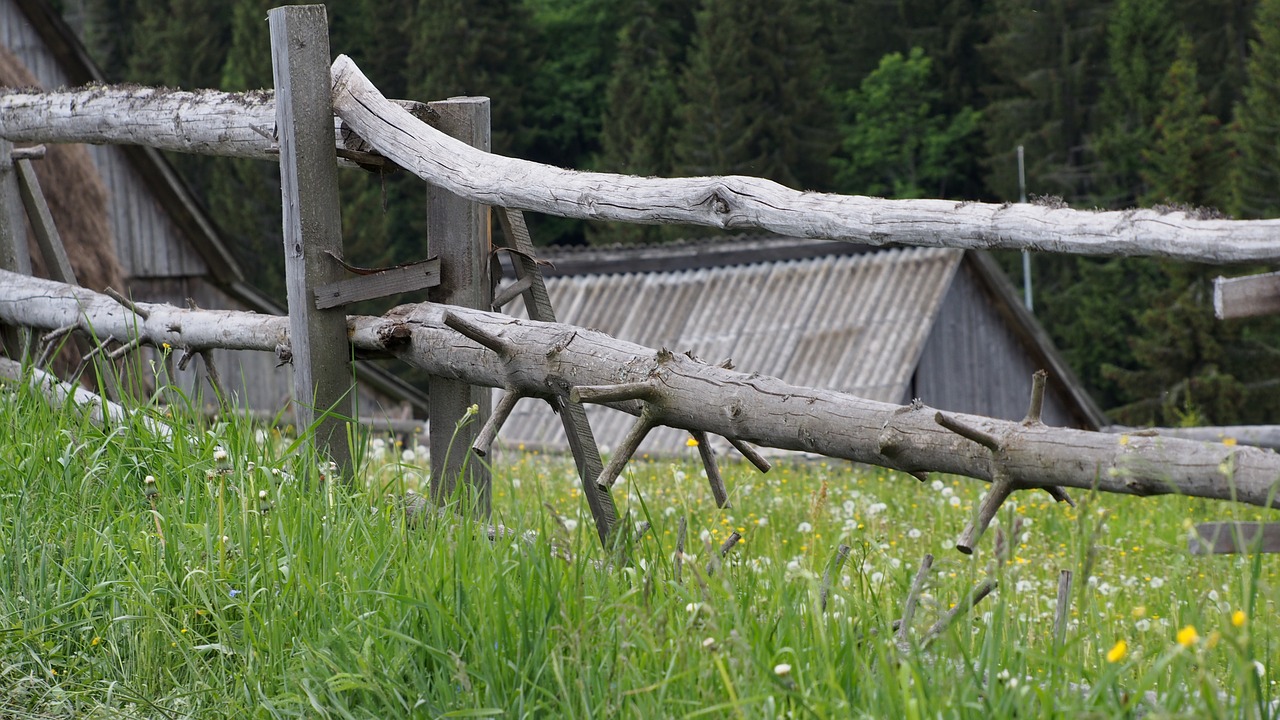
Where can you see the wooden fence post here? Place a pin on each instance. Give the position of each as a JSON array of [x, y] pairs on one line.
[[14, 255], [459, 232], [322, 379]]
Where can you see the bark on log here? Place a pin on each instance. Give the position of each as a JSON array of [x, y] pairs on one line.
[[202, 122], [546, 359], [745, 202], [242, 125]]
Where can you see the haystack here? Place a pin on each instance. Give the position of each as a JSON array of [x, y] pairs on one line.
[[77, 200]]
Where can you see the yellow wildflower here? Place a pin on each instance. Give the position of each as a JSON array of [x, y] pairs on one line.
[[1229, 441], [1188, 636], [691, 442], [1118, 651], [1238, 618]]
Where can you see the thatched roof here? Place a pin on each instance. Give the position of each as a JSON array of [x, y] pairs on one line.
[[77, 200]]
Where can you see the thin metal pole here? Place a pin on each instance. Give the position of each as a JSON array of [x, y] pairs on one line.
[[1026, 256]]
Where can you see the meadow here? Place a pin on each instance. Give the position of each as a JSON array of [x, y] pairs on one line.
[[223, 573]]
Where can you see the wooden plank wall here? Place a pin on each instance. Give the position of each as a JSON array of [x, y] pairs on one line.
[[147, 243], [974, 363]]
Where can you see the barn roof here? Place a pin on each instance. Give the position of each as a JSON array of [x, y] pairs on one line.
[[177, 201], [823, 314]]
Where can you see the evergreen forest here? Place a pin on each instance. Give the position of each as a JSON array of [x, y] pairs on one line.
[[1117, 104]]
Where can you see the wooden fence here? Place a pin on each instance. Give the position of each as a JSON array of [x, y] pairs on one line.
[[469, 349]]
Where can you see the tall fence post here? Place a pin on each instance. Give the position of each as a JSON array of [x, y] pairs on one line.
[[322, 379], [459, 232], [14, 255]]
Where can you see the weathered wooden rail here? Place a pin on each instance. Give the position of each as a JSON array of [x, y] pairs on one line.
[[467, 348]]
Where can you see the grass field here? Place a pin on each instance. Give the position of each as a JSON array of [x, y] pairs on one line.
[[218, 575]]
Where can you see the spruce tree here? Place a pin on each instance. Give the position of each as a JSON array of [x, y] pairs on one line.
[[641, 101], [752, 100], [1047, 57], [1141, 42], [1185, 162], [1256, 176], [474, 47]]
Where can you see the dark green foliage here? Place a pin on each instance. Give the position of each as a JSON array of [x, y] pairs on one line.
[[1117, 102], [465, 47], [752, 95], [1185, 162], [1091, 307], [642, 98], [1193, 368], [899, 143], [1257, 173], [1141, 41], [1220, 31], [1048, 58]]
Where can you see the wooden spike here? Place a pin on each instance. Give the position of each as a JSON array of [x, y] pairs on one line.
[[125, 349], [713, 470], [751, 454], [211, 374], [987, 509], [981, 437], [913, 597], [35, 152], [725, 547], [512, 291], [487, 434], [613, 393], [1064, 604], [681, 534], [982, 590], [842, 554], [114, 295], [1037, 398], [475, 333], [636, 435]]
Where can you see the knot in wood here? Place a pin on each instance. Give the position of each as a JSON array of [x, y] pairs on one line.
[[719, 205]]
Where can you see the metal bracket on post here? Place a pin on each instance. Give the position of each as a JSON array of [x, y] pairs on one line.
[[323, 383], [459, 233]]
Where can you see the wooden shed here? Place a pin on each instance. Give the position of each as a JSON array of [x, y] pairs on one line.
[[941, 325], [168, 248]]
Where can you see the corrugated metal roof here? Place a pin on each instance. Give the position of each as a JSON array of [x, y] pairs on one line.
[[853, 323]]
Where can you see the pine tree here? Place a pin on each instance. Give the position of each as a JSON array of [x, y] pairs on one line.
[[474, 47], [642, 99], [1256, 176], [1185, 162], [1047, 57], [899, 144], [752, 100], [1141, 42], [1220, 31]]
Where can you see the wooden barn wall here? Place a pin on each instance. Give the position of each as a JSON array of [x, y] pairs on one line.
[[252, 377], [974, 363], [147, 242]]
